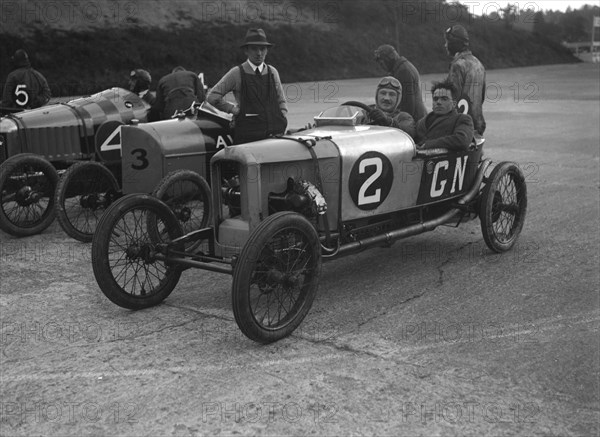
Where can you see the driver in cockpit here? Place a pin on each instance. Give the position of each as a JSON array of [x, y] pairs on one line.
[[386, 111]]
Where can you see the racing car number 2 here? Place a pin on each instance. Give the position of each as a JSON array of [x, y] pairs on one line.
[[370, 180]]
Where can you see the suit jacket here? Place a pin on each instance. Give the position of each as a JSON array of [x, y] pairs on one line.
[[176, 92], [452, 131]]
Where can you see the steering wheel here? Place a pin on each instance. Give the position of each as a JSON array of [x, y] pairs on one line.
[[360, 105]]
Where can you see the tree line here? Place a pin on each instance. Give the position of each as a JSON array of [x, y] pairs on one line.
[[337, 44]]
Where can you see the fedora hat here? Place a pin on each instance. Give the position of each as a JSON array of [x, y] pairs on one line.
[[256, 37]]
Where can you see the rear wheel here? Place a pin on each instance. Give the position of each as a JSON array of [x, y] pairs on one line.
[[27, 185], [276, 277], [187, 194], [123, 252], [83, 194], [503, 205]]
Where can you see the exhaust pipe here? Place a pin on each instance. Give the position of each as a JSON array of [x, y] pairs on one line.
[[419, 228]]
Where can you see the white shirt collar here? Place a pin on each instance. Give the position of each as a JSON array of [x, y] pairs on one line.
[[254, 67]]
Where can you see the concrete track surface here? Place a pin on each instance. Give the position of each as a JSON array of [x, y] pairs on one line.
[[433, 336]]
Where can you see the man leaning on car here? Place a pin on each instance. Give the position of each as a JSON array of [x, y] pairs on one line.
[[260, 109], [444, 127]]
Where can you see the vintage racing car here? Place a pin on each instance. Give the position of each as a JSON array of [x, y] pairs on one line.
[[35, 144], [168, 158], [318, 194], [81, 139]]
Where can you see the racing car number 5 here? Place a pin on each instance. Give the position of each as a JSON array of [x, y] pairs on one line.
[[370, 180], [21, 95]]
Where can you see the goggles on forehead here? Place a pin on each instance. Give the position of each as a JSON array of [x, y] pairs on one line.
[[390, 82], [132, 74]]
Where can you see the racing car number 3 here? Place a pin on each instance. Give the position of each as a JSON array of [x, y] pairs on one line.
[[370, 180], [141, 160]]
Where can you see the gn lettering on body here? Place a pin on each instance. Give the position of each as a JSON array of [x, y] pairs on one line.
[[437, 189]]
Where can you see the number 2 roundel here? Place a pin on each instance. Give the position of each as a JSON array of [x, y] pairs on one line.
[[371, 180]]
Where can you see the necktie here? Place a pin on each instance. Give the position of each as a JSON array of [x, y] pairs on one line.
[[257, 71]]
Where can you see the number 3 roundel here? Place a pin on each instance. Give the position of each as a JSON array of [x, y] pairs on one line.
[[370, 181]]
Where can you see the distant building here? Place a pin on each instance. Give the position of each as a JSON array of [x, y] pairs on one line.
[[585, 50]]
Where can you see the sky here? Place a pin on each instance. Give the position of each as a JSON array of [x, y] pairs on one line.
[[478, 7]]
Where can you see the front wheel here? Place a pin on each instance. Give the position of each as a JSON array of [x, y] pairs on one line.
[[82, 195], [276, 277], [503, 205], [188, 195], [27, 185], [124, 252]]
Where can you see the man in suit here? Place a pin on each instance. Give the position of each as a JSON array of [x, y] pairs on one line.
[[444, 127], [260, 109]]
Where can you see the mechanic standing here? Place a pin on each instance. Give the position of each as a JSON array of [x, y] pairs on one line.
[[25, 87], [260, 109], [468, 76], [177, 91], [444, 127], [386, 111], [403, 70]]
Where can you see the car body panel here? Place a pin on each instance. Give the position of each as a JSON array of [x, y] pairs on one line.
[[68, 131], [367, 174], [152, 150], [265, 167]]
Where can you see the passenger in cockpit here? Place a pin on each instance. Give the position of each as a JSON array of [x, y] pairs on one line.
[[444, 127]]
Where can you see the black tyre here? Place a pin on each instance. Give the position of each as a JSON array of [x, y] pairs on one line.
[[503, 205], [123, 252], [27, 185], [82, 195], [188, 195], [276, 277]]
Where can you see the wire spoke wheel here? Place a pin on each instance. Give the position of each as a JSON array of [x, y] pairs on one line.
[[27, 184], [83, 194], [188, 195], [503, 207], [276, 277], [124, 252]]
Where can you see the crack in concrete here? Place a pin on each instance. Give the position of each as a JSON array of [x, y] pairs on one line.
[[440, 268]]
